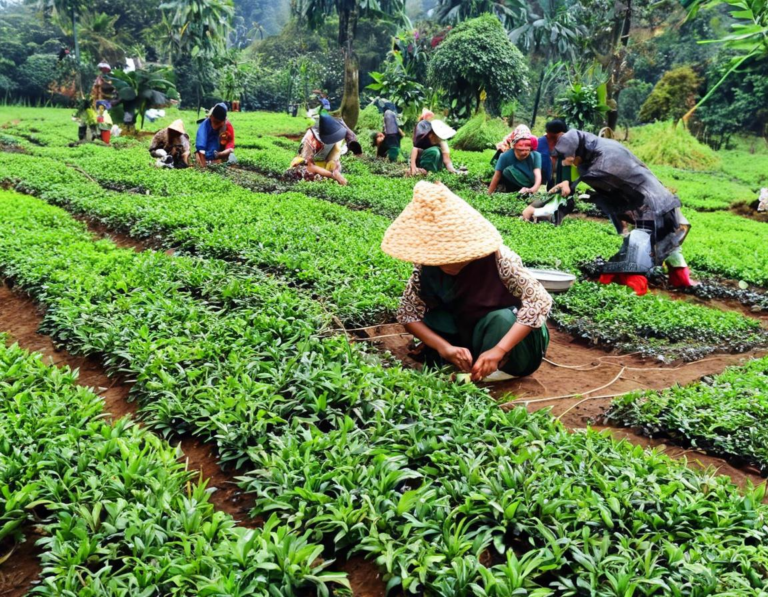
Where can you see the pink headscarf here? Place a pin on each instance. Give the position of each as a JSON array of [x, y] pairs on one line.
[[520, 133]]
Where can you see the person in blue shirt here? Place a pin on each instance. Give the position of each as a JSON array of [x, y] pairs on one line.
[[552, 170], [208, 141]]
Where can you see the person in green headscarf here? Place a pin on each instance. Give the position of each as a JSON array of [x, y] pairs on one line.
[[519, 168]]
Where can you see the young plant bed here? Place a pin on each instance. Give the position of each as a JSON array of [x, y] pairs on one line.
[[431, 480], [611, 315], [111, 501], [725, 415]]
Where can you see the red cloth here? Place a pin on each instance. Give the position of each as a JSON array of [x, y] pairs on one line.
[[534, 143], [636, 282], [227, 138], [680, 277]]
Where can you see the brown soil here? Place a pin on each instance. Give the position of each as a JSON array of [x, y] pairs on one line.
[[363, 576], [749, 210], [574, 371], [228, 497], [20, 572]]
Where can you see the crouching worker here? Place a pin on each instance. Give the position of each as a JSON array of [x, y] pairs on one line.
[[469, 300], [171, 146], [519, 167], [430, 147], [215, 140], [320, 153]]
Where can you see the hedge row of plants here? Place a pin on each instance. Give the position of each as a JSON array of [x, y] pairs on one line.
[[445, 491], [117, 511]]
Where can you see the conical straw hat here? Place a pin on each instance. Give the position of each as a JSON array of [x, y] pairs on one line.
[[439, 228], [178, 126]]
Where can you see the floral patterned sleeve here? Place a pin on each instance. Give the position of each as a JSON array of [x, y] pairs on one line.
[[536, 302], [308, 147], [412, 307]]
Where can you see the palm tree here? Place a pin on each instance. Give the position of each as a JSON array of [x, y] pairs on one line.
[[203, 24], [460, 10], [550, 29], [144, 89], [316, 12], [749, 37], [200, 31], [100, 39]]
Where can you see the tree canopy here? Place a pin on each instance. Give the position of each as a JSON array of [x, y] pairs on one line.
[[476, 57]]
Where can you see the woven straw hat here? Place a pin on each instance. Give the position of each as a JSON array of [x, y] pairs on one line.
[[178, 126], [439, 228]]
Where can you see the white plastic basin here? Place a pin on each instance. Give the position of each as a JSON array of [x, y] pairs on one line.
[[553, 280]]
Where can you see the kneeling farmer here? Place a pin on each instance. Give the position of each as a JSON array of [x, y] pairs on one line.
[[469, 300]]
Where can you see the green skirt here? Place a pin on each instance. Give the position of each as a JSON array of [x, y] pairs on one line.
[[522, 360], [431, 160]]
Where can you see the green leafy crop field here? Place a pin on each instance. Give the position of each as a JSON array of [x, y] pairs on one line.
[[233, 339]]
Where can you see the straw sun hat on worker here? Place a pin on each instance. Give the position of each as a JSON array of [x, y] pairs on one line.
[[178, 126], [439, 228]]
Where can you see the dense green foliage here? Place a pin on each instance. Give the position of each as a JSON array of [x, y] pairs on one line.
[[672, 96], [425, 477], [339, 261], [478, 57], [724, 415], [113, 499]]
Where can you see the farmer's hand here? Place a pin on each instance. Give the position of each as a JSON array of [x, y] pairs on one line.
[[419, 172], [487, 363], [339, 177], [564, 188], [525, 191], [461, 357]]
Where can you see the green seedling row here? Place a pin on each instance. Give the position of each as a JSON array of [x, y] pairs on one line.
[[651, 324], [336, 256], [447, 493], [118, 512], [725, 415]]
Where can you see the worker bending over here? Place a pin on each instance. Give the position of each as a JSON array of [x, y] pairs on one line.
[[469, 300]]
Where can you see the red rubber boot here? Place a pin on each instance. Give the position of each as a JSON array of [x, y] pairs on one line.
[[680, 277], [636, 282]]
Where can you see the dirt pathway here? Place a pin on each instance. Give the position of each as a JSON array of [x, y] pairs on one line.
[[574, 371]]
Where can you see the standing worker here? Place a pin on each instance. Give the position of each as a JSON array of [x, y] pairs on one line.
[[102, 89], [469, 300], [552, 170], [387, 143], [628, 193]]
